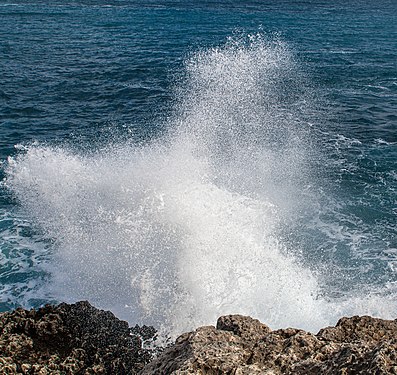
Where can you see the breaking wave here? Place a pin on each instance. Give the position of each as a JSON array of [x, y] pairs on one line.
[[199, 222]]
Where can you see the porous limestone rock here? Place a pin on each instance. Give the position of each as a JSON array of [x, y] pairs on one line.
[[70, 339], [79, 339], [241, 345]]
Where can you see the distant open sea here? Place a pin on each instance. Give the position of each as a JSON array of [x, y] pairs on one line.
[[173, 161]]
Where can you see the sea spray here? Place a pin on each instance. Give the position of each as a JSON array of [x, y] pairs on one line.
[[188, 227]]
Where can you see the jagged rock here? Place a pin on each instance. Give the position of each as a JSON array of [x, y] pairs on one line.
[[206, 349], [242, 345], [360, 328], [70, 339], [247, 328], [79, 339]]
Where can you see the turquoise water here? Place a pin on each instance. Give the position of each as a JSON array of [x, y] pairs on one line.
[[174, 161]]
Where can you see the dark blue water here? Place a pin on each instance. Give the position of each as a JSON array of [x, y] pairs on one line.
[[161, 144]]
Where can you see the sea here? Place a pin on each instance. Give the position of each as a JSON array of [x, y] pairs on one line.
[[176, 160]]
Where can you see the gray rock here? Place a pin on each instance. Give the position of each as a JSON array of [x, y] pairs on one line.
[[80, 339], [242, 345]]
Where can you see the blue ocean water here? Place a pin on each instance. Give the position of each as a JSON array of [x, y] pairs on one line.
[[175, 160]]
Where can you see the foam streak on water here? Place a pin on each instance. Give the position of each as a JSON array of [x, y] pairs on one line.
[[187, 228]]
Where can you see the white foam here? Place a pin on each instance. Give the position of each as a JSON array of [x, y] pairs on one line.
[[186, 228]]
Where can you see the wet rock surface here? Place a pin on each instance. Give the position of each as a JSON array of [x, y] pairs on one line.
[[71, 339], [242, 345]]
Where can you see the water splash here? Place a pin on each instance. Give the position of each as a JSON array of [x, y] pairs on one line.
[[187, 227]]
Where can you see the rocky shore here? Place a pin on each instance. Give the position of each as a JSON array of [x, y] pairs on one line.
[[80, 339], [71, 339]]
